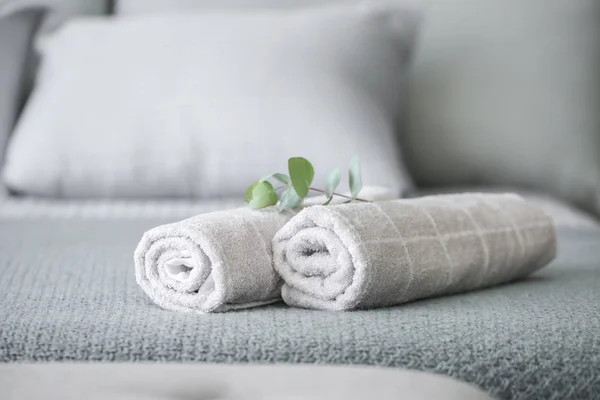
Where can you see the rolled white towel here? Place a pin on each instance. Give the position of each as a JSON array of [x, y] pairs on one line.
[[217, 261], [358, 256]]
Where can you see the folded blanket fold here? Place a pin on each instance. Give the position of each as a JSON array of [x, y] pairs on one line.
[[217, 261], [359, 256]]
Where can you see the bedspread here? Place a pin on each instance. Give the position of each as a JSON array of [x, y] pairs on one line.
[[68, 293]]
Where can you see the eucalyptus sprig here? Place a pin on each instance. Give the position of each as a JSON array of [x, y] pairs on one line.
[[296, 186]]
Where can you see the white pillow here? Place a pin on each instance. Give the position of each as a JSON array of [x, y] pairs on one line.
[[201, 105], [504, 92]]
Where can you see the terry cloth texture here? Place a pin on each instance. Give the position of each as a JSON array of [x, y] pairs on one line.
[[217, 261], [69, 294], [212, 262], [371, 255]]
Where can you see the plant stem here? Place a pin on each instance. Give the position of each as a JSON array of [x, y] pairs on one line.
[[338, 194]]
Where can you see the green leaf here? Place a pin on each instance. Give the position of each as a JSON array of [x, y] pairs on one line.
[[302, 174], [283, 178], [290, 199], [333, 180], [354, 176], [248, 194], [265, 178], [263, 195]]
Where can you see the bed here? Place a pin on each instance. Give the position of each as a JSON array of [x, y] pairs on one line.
[[67, 285], [69, 294]]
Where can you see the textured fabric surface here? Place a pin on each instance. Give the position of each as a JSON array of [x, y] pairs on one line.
[[211, 262], [360, 256], [202, 85], [564, 214], [17, 28], [30, 208], [69, 293], [124, 381], [218, 261]]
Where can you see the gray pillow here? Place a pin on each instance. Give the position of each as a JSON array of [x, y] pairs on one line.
[[507, 92], [201, 105], [17, 28], [62, 10]]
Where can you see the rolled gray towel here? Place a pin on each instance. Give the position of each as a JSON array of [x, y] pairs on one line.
[[359, 256], [217, 261]]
